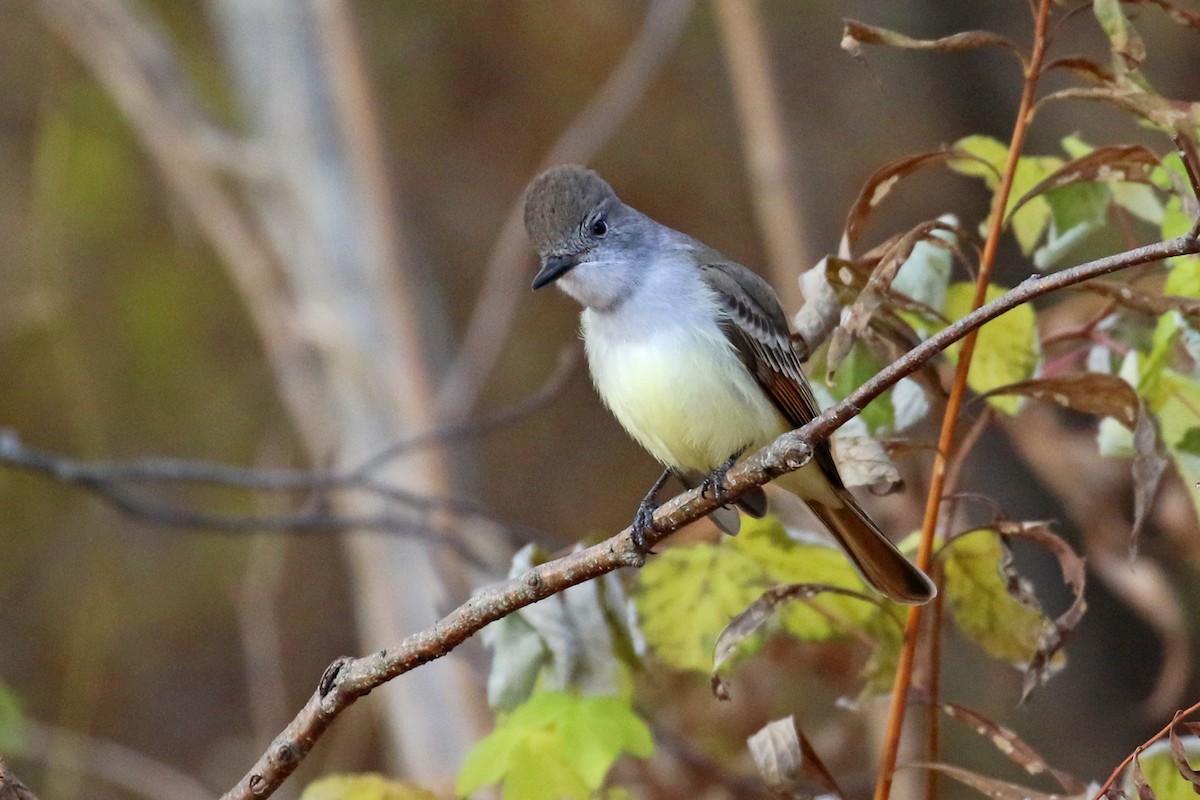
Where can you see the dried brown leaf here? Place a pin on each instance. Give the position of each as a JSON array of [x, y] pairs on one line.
[[1139, 780], [1179, 755], [1120, 162], [748, 622], [877, 292], [788, 763], [1053, 638], [1011, 745], [881, 182], [1149, 463], [1171, 115], [855, 34], [993, 788], [1087, 392], [864, 461], [1082, 67], [1149, 303], [1180, 15]]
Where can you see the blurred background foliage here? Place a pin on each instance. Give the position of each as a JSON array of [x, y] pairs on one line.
[[121, 335]]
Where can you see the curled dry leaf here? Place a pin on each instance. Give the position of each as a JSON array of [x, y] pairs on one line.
[[1109, 396], [1162, 112], [1128, 163], [855, 34], [864, 461], [876, 292], [994, 788], [1011, 745], [880, 183], [817, 318], [1082, 67], [747, 623], [788, 763], [1149, 463], [1055, 636], [1180, 756], [1088, 392], [1174, 12], [1139, 781], [1149, 303]]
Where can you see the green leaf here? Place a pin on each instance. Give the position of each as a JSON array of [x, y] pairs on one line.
[[1006, 350], [989, 158], [788, 561], [689, 594], [1175, 221], [984, 610], [887, 633], [1184, 278], [1140, 200], [1174, 400], [859, 366], [1030, 221], [556, 745], [364, 786], [1124, 38], [12, 721]]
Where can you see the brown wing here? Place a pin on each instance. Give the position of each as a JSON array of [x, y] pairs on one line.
[[758, 329]]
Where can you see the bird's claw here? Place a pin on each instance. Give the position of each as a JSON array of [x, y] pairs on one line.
[[643, 524], [713, 485]]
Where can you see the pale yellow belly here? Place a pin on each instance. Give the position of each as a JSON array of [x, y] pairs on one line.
[[686, 398]]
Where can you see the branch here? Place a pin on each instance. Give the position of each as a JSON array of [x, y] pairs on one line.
[[11, 787], [107, 481], [347, 679], [108, 761]]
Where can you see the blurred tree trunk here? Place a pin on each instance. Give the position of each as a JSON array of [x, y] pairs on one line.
[[298, 209], [325, 212]]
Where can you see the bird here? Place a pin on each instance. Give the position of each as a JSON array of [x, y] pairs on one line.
[[693, 355]]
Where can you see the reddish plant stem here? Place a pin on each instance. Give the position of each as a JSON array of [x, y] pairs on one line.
[[1116, 773], [891, 746]]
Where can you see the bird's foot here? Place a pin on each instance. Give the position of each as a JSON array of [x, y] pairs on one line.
[[643, 525], [643, 520], [714, 484]]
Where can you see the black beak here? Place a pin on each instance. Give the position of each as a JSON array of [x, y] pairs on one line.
[[554, 268]]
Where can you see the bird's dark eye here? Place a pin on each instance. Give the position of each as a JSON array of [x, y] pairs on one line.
[[599, 229]]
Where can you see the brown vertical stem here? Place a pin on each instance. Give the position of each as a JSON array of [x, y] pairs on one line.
[[891, 747]]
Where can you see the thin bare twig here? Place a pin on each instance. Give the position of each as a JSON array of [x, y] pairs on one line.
[[108, 480], [568, 361], [348, 679], [113, 763], [11, 787], [502, 285]]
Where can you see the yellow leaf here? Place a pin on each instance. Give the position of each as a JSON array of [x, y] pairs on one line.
[[364, 786], [786, 560], [983, 608], [687, 597], [1006, 350]]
